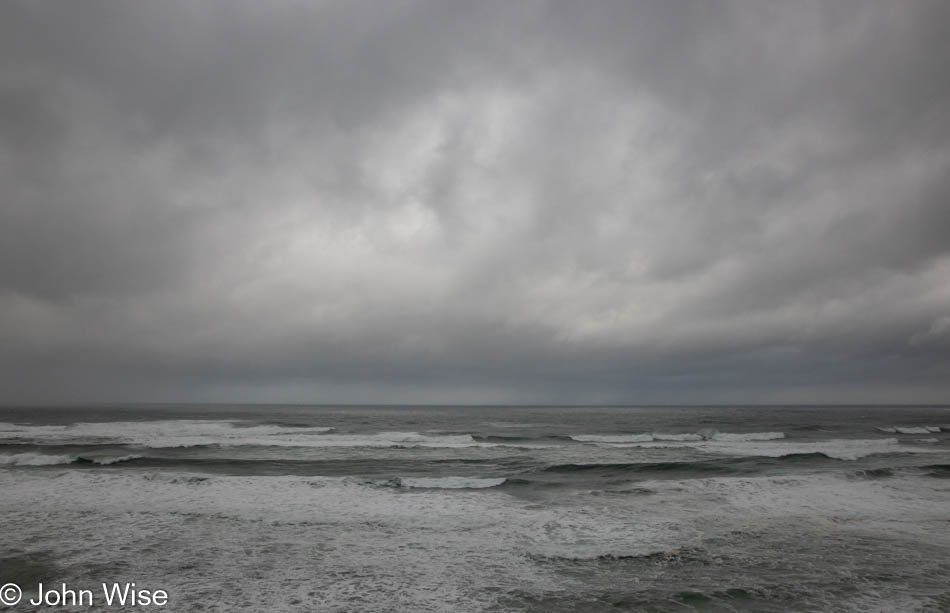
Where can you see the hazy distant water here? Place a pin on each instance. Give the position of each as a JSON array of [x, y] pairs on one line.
[[484, 508]]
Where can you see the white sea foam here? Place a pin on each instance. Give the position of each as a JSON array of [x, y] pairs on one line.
[[329, 544], [452, 483], [886, 602], [115, 460], [764, 444], [349, 546], [397, 439], [42, 459], [910, 429], [903, 504], [677, 437], [161, 433], [746, 436], [612, 438], [712, 435], [457, 520], [35, 459], [190, 433], [841, 449]]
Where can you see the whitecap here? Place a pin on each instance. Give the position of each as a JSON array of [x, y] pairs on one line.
[[452, 483], [839, 449], [910, 429], [711, 435], [746, 436], [191, 433], [35, 459], [677, 437], [612, 438], [115, 460]]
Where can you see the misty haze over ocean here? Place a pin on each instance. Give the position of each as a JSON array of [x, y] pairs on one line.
[[476, 306]]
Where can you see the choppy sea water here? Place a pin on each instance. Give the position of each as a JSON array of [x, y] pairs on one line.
[[277, 508]]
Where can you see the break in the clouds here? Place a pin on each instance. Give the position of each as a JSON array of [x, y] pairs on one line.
[[475, 201]]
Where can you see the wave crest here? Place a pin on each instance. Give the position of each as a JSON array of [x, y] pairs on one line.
[[43, 459], [195, 433], [909, 429], [704, 435], [441, 483]]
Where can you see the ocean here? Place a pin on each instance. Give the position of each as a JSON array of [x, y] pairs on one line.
[[458, 509]]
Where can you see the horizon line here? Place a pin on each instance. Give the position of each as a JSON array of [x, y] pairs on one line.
[[133, 404]]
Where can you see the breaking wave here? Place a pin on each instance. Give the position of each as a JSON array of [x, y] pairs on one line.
[[748, 446], [910, 429], [705, 435], [747, 436], [442, 483], [723, 466], [196, 433], [42, 459], [873, 473]]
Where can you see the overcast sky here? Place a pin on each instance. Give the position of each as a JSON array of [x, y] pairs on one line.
[[512, 201]]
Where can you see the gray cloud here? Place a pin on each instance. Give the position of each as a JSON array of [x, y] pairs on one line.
[[475, 202]]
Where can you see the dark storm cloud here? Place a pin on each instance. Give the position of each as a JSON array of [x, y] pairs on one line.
[[414, 201]]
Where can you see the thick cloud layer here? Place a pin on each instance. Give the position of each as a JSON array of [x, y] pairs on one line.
[[475, 202]]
